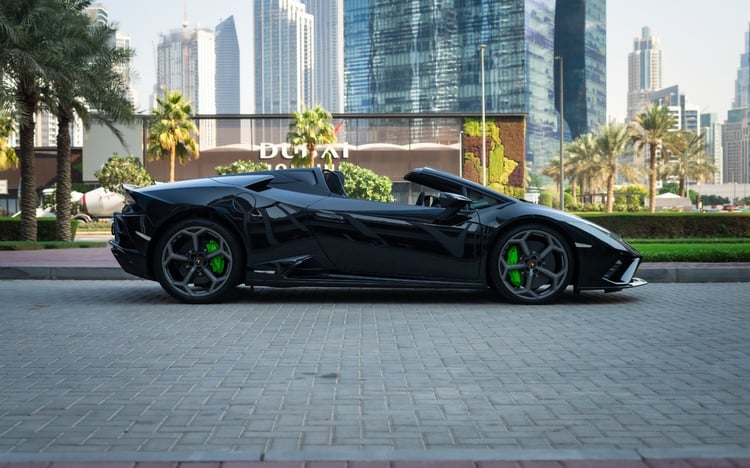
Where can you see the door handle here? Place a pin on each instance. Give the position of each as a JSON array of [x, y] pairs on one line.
[[329, 217]]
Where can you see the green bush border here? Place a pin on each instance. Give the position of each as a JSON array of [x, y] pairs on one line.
[[10, 229], [673, 225]]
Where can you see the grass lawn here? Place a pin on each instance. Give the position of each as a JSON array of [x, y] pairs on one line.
[[693, 250]]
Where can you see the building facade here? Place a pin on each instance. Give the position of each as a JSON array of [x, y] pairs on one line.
[[328, 53], [737, 146], [186, 62], [644, 72], [424, 57], [283, 50], [737, 126], [227, 82], [581, 43], [713, 130], [46, 123], [283, 56]]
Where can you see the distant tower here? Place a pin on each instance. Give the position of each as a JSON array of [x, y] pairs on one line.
[[328, 53], [737, 127], [644, 71], [742, 84], [227, 82], [186, 62], [99, 13], [580, 39], [283, 61]]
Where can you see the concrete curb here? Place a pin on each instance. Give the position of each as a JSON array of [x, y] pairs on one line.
[[653, 273]]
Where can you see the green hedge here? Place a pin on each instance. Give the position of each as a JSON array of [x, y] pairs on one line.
[[10, 229], [673, 225]]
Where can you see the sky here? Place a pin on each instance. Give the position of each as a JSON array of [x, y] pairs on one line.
[[701, 42]]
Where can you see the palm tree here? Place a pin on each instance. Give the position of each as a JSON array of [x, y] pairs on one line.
[[170, 133], [92, 53], [612, 142], [8, 157], [651, 128], [32, 41], [688, 160], [583, 162], [309, 128]]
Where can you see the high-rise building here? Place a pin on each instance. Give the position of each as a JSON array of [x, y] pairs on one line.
[[581, 43], [644, 72], [98, 12], [227, 82], [742, 83], [186, 62], [419, 57], [46, 123], [737, 127], [712, 129], [328, 52], [283, 52], [283, 56]]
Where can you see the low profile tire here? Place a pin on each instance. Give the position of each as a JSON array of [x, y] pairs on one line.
[[198, 261], [531, 264]]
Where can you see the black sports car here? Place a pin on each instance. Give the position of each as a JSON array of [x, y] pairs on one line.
[[296, 227]]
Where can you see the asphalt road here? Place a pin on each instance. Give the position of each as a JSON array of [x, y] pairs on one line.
[[118, 368]]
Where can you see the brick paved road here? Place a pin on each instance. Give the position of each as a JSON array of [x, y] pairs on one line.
[[118, 367]]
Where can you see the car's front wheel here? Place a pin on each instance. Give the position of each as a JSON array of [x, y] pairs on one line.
[[198, 261], [531, 264]]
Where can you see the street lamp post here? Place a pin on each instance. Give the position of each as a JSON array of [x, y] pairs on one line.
[[484, 130], [461, 154], [562, 132]]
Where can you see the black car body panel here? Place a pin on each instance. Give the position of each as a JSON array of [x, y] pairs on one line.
[[297, 227]]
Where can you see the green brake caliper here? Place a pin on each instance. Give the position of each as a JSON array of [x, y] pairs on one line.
[[514, 276], [218, 263]]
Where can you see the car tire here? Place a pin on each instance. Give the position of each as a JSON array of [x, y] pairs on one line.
[[198, 261], [531, 264]]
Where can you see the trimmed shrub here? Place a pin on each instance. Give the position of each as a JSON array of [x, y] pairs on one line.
[[673, 225]]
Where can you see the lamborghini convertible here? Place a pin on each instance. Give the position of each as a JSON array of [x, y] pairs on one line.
[[201, 239]]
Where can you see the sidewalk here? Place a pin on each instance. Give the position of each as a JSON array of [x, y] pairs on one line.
[[99, 263]]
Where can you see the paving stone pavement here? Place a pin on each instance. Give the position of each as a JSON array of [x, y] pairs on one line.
[[118, 368]]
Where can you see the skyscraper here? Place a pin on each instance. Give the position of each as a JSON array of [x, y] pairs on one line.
[[581, 42], [283, 56], [644, 71], [712, 129], [98, 12], [737, 126], [46, 123], [186, 62], [419, 57], [227, 82], [283, 61], [742, 83], [328, 52]]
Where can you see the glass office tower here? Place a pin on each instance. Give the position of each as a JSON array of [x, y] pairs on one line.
[[581, 42], [409, 56], [227, 81]]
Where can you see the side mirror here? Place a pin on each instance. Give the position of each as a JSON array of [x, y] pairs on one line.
[[453, 200], [452, 203]]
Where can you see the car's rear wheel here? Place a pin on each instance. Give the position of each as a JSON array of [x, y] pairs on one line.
[[531, 264], [198, 261]]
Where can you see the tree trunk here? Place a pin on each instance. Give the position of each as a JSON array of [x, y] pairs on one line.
[[311, 153], [652, 178], [29, 198], [610, 191], [172, 157], [62, 195]]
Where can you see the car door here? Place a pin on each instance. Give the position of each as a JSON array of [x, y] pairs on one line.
[[370, 238]]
